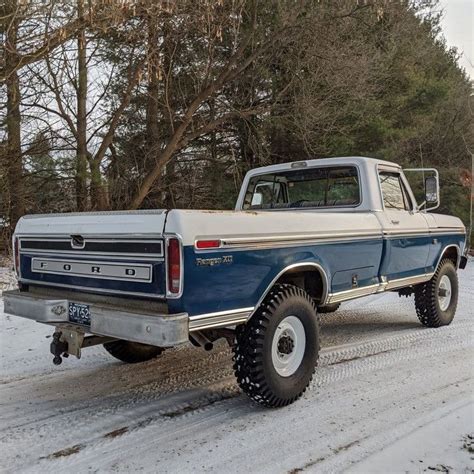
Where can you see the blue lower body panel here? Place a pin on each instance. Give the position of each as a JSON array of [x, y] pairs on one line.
[[241, 278]]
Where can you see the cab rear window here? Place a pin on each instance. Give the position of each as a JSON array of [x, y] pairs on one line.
[[304, 188]]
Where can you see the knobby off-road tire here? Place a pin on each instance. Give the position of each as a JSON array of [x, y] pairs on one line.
[[437, 299], [277, 350], [132, 352], [329, 308]]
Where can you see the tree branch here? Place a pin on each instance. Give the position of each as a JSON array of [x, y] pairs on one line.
[[232, 69], [53, 40]]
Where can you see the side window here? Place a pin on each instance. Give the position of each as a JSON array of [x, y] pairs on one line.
[[394, 193]]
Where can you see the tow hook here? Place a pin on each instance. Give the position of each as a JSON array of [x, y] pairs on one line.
[[58, 348]]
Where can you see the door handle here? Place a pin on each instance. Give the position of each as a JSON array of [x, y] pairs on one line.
[[395, 222]]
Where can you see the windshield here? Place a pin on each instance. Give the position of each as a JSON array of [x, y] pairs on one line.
[[309, 188]]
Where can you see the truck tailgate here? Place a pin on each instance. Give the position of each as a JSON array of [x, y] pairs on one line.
[[117, 252]]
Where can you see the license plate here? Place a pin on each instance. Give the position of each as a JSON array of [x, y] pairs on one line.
[[80, 313]]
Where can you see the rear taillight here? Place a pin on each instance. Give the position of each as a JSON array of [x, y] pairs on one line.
[[16, 255], [174, 266]]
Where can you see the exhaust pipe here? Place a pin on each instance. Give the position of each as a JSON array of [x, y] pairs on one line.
[[202, 340]]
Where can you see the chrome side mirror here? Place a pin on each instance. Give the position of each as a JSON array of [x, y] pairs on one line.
[[430, 184], [431, 190]]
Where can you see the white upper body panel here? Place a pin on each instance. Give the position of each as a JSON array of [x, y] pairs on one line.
[[252, 225], [443, 222]]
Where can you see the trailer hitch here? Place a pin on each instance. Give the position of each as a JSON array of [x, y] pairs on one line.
[[58, 348], [68, 340]]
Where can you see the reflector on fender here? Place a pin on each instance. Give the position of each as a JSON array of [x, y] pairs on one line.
[[208, 244]]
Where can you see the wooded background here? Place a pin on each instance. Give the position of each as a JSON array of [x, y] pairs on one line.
[[151, 104]]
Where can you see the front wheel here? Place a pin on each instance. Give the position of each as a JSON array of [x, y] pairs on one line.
[[437, 299], [276, 352]]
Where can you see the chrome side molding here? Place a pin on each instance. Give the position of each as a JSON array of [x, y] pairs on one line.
[[384, 285], [219, 319]]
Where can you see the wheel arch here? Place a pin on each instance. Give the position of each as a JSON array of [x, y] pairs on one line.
[[452, 252], [309, 276]]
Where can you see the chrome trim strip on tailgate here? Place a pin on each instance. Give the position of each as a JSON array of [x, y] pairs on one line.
[[63, 245]]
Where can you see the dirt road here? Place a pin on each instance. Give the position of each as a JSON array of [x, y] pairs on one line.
[[388, 395]]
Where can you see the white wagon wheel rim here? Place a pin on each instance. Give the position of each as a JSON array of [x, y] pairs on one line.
[[288, 346], [444, 292]]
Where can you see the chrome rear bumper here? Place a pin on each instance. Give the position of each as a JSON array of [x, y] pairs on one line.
[[164, 330]]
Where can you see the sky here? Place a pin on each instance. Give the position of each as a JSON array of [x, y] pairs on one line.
[[458, 29]]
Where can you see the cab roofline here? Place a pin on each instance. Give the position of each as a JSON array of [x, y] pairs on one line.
[[339, 160]]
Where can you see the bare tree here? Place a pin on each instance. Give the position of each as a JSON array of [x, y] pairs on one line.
[[67, 94], [29, 35], [81, 118], [255, 43], [15, 188]]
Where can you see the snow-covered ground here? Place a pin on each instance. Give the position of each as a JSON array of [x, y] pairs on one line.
[[388, 396]]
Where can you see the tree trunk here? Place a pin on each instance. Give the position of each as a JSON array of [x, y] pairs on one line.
[[153, 96], [99, 195], [153, 89], [81, 145], [14, 158]]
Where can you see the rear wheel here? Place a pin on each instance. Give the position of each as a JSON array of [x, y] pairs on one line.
[[277, 350], [132, 352], [437, 299]]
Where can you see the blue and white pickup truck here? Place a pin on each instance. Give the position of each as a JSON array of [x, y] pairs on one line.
[[304, 237]]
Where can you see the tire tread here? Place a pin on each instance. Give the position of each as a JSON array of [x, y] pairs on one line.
[[248, 350], [425, 298]]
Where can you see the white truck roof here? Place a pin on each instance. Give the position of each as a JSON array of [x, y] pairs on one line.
[[339, 160]]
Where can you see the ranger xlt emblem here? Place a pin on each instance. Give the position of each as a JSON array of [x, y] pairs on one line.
[[210, 262]]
